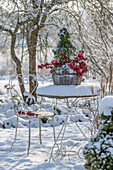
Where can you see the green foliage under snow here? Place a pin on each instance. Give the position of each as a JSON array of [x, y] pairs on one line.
[[64, 45]]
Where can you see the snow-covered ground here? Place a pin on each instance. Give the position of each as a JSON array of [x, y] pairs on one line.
[[39, 153]]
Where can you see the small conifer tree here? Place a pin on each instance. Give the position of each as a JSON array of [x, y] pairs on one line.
[[64, 45]]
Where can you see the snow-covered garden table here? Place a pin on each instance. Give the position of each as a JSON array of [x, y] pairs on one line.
[[65, 92]]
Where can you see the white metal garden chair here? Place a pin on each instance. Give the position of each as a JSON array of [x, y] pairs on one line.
[[26, 108]]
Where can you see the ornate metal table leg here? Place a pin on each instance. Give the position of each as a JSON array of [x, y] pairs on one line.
[[76, 122], [75, 152], [59, 150]]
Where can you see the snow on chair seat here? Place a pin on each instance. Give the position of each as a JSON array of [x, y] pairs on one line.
[[35, 115]]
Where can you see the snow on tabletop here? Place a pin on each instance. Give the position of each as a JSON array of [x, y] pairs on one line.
[[68, 90], [105, 104]]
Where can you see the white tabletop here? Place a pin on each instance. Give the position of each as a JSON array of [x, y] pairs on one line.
[[68, 91]]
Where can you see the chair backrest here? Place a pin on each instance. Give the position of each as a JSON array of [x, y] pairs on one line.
[[19, 84]]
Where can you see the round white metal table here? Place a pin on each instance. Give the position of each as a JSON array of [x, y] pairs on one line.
[[66, 92]]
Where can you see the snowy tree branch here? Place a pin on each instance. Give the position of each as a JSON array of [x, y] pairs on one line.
[[7, 29]]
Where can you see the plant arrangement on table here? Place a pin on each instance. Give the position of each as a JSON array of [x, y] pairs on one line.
[[68, 66]]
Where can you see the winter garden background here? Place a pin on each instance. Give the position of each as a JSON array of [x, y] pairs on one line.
[[28, 33]]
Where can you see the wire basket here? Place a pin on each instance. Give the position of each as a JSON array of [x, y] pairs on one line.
[[59, 79]]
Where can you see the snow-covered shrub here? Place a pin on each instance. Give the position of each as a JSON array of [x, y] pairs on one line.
[[99, 150], [7, 124], [1, 92], [87, 113], [57, 120], [1, 124], [79, 118], [9, 112], [7, 104], [12, 121], [10, 104]]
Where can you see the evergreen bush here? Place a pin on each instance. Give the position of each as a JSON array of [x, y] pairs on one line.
[[99, 150]]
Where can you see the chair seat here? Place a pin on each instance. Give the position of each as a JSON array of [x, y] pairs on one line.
[[38, 114]]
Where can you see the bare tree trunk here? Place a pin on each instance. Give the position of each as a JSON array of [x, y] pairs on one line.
[[32, 43], [18, 65]]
